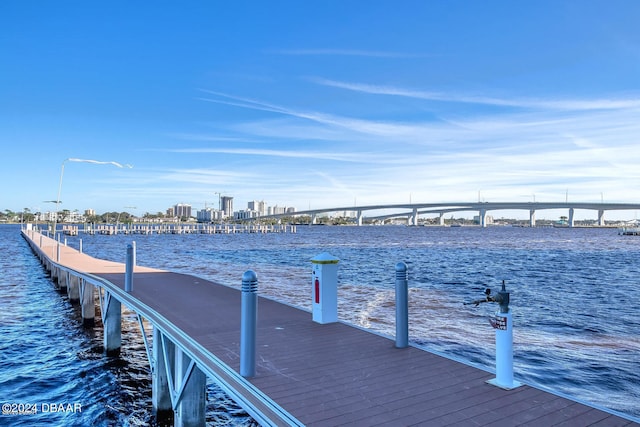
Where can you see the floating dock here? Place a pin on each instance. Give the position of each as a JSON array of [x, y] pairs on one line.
[[629, 231], [306, 373]]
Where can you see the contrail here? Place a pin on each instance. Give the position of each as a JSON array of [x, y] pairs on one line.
[[100, 163]]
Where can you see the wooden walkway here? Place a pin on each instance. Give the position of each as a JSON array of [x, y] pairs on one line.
[[337, 374]]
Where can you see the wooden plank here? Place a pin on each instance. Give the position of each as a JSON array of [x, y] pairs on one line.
[[477, 410]]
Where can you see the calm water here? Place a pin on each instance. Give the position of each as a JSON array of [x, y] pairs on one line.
[[575, 300]]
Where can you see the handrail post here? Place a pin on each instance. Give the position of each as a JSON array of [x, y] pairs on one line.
[[249, 324], [402, 305], [128, 278]]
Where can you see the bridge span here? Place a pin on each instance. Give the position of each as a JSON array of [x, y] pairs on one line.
[[413, 210]]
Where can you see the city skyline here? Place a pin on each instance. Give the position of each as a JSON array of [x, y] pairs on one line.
[[558, 212], [318, 105]]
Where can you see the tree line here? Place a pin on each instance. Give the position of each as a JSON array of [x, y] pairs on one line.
[[26, 215]]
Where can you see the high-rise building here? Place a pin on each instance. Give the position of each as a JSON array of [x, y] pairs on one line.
[[248, 214], [258, 206], [227, 206], [209, 215], [182, 210], [276, 210]]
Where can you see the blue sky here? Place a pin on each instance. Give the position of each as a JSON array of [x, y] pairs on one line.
[[318, 104]]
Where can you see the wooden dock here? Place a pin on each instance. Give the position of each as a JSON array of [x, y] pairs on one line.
[[629, 231], [179, 228], [322, 375]]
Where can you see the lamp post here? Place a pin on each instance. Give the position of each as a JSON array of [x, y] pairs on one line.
[[97, 162], [55, 214]]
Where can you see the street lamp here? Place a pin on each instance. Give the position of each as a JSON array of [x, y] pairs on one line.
[[55, 214], [97, 162]]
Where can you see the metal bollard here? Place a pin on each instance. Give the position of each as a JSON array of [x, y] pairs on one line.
[[402, 305], [249, 324], [128, 277]]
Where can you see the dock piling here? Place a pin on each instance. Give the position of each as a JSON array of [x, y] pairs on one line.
[[190, 389], [62, 280], [73, 288], [87, 303], [112, 322], [160, 391]]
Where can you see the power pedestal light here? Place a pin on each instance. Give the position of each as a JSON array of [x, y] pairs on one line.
[[324, 286], [502, 322]]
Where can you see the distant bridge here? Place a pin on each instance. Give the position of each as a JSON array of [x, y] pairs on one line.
[[413, 210]]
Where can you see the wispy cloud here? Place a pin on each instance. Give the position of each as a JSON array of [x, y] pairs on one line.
[[203, 176], [344, 52], [209, 138], [542, 150], [354, 124], [514, 132], [553, 104], [253, 104], [298, 154]]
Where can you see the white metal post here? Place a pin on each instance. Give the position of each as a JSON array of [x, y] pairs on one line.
[[249, 324]]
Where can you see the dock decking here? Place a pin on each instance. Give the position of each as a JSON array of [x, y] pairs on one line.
[[326, 375]]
